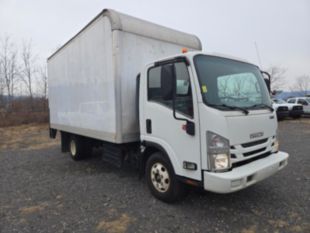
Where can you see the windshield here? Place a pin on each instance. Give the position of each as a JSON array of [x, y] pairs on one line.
[[228, 83], [279, 101]]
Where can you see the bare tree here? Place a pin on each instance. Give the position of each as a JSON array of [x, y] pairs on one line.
[[277, 77], [43, 85], [223, 87], [1, 85], [43, 81], [303, 84], [238, 86], [9, 67], [28, 60]]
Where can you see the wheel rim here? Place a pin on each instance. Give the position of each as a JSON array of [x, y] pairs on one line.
[[73, 148], [160, 177]]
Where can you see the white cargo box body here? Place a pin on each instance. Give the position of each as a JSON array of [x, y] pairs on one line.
[[92, 78]]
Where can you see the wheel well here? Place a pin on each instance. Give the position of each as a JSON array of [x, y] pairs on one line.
[[85, 141], [65, 139], [152, 148]]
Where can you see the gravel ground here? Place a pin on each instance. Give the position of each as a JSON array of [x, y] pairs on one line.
[[43, 190]]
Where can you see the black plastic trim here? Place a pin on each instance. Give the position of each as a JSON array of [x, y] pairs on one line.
[[254, 152], [198, 183], [241, 163], [148, 126], [255, 143], [173, 60], [155, 145]]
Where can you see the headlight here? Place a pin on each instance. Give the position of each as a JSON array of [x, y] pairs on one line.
[[275, 145], [218, 152], [221, 161]]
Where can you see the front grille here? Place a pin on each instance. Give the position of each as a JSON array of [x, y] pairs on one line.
[[282, 109], [254, 152], [297, 108], [238, 164], [249, 151], [255, 143]]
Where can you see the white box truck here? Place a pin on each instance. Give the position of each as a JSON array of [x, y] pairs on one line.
[[182, 116]]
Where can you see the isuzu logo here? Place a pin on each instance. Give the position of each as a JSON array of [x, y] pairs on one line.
[[256, 135]]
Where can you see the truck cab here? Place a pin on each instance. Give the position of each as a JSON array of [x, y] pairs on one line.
[[206, 120]]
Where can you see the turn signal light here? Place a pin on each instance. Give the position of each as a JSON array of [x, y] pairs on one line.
[[184, 50]]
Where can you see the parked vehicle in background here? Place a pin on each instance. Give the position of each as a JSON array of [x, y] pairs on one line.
[[304, 101], [281, 110], [148, 95], [295, 110]]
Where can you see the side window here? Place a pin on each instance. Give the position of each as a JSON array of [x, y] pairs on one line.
[[155, 87], [183, 99], [303, 102], [154, 84], [291, 101]]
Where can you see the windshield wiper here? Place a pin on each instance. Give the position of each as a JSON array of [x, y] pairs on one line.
[[246, 112], [262, 105]]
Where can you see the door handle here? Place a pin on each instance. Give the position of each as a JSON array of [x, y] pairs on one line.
[[148, 126]]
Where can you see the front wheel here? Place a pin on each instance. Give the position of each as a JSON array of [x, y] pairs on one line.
[[162, 180]]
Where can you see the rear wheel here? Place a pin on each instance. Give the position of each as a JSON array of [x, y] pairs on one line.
[[162, 180], [78, 148]]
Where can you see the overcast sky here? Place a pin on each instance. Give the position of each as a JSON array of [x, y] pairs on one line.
[[281, 29]]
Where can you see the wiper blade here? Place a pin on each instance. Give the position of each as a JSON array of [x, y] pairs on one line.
[[262, 105], [246, 112]]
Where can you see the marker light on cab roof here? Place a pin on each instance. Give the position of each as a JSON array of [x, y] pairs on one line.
[[184, 50]]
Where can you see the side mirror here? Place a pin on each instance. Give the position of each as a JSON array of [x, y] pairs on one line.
[[267, 84], [190, 128], [167, 81], [267, 80]]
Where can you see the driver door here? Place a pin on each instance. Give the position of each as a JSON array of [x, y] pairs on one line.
[[160, 126]]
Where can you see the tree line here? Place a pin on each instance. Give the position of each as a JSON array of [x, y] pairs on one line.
[[279, 80], [21, 75]]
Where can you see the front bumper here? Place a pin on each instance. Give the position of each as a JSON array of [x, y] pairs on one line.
[[296, 113], [282, 114], [246, 175]]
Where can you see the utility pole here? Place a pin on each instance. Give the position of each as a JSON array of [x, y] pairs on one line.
[[258, 56]]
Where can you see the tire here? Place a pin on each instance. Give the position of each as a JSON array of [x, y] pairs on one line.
[[162, 180], [78, 148]]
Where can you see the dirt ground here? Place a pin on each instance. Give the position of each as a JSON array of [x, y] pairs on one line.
[[26, 137], [43, 190]]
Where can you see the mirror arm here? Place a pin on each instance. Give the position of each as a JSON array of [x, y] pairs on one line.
[[269, 79], [174, 96], [190, 126], [266, 73]]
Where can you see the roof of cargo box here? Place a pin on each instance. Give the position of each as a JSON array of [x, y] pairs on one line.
[[141, 27]]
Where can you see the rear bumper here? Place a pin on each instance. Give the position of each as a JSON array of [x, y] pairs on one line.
[[246, 175]]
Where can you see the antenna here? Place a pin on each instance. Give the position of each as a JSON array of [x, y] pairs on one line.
[[258, 56]]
